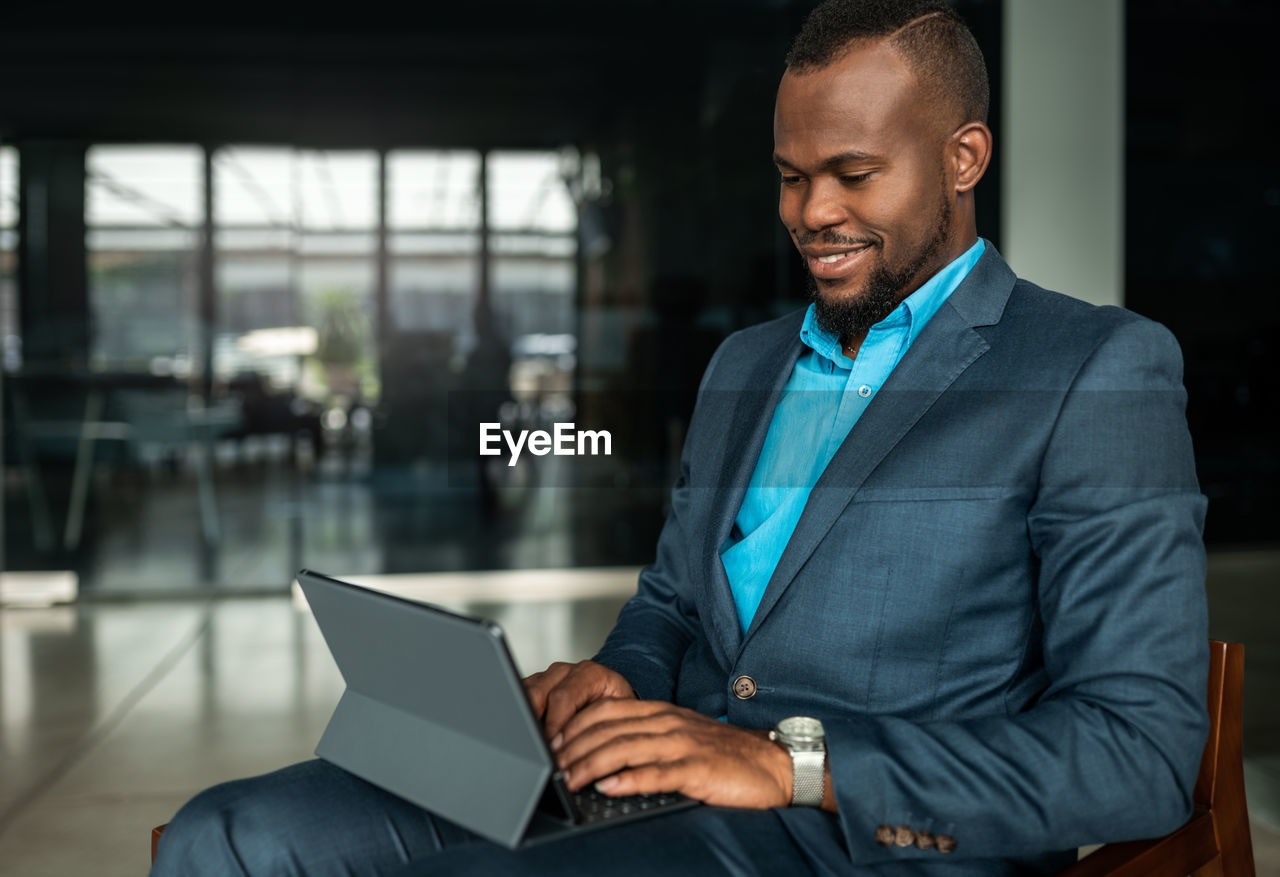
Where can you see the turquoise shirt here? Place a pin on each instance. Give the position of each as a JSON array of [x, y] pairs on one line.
[[824, 397]]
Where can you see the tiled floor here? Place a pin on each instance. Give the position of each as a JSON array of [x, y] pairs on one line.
[[113, 714]]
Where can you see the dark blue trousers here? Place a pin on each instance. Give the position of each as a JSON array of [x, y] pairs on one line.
[[317, 820]]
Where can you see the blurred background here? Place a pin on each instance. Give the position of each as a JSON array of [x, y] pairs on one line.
[[261, 281]]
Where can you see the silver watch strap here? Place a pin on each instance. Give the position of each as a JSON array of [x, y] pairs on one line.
[[808, 769]]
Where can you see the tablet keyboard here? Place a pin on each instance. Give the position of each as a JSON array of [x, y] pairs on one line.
[[593, 806]]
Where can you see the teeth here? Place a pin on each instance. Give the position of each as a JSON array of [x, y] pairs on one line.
[[836, 258]]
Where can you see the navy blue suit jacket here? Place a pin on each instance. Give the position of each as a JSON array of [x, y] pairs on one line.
[[994, 599]]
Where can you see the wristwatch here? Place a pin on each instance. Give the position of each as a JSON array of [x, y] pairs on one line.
[[805, 740]]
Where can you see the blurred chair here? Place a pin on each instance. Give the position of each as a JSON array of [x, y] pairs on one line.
[[1215, 842], [163, 422], [58, 419], [61, 421]]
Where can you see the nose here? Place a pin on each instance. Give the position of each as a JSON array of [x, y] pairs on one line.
[[821, 207]]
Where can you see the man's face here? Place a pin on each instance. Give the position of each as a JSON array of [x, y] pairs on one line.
[[864, 193]]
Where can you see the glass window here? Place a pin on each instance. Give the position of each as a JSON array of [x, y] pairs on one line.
[[433, 219], [533, 274], [10, 345], [433, 191], [143, 207], [527, 193], [296, 240], [255, 265]]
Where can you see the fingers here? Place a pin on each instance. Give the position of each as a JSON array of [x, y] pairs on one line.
[[585, 683], [701, 778], [616, 734], [539, 685], [663, 756], [563, 703], [652, 779], [632, 747], [589, 726], [559, 692]]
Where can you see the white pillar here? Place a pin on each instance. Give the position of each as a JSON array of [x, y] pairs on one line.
[[1062, 209]]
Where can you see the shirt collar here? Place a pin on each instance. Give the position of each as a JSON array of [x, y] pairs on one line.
[[914, 312]]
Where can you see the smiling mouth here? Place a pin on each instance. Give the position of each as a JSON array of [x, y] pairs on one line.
[[836, 257], [836, 266]]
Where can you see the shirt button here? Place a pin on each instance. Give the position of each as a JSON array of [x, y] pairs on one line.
[[744, 687], [864, 391]]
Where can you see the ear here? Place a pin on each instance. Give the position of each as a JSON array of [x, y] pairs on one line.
[[969, 153]]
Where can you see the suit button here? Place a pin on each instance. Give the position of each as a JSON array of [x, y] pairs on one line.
[[744, 687], [924, 840], [903, 836], [884, 835], [946, 843]]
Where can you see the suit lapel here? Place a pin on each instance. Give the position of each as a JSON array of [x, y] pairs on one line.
[[946, 347], [752, 408]]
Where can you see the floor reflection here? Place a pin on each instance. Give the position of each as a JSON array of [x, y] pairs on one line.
[[143, 536]]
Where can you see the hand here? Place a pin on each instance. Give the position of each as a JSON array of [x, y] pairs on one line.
[[558, 692], [647, 746]]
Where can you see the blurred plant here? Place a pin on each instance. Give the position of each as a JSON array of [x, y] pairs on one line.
[[342, 328]]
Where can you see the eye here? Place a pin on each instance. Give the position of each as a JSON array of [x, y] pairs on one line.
[[791, 179], [852, 179]]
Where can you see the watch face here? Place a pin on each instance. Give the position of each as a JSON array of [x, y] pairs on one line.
[[801, 728]]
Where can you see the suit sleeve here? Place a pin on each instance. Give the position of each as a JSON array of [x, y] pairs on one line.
[[1110, 749]]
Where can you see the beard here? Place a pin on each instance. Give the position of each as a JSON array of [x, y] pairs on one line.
[[852, 315]]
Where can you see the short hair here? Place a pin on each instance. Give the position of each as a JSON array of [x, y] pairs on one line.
[[930, 36]]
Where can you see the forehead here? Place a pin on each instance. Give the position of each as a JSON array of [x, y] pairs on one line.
[[866, 101]]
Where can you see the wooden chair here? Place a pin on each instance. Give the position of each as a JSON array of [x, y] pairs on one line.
[[1215, 842]]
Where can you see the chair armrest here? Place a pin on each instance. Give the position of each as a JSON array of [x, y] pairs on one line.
[[1190, 847], [155, 839]]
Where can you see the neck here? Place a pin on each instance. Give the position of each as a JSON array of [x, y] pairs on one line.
[[852, 343]]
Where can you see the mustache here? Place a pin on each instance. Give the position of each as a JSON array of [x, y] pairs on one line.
[[831, 238]]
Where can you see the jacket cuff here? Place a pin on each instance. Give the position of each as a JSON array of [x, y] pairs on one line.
[[876, 825]]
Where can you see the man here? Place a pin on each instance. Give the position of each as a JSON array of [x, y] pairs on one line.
[[948, 514]]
